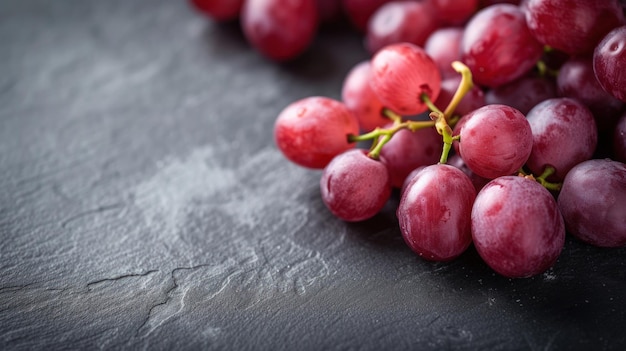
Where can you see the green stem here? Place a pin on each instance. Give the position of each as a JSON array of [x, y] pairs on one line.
[[548, 171], [465, 86]]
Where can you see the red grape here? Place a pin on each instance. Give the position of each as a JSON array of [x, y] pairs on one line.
[[408, 150], [572, 26], [400, 21], [497, 46], [577, 80], [593, 202], [478, 181], [564, 134], [401, 74], [609, 60], [281, 30], [444, 47], [355, 187], [358, 96], [516, 227], [523, 93], [496, 140], [434, 212], [313, 130]]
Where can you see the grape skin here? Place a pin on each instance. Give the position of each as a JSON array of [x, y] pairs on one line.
[[498, 47], [408, 150], [496, 140], [358, 96], [280, 30], [313, 130], [516, 227], [355, 187], [593, 202], [400, 21], [619, 139], [572, 26], [609, 60], [523, 93], [564, 134], [434, 212], [401, 73], [444, 47]]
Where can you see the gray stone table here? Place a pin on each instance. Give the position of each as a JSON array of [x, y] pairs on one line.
[[143, 205]]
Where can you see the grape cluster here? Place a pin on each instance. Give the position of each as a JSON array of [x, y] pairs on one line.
[[501, 124]]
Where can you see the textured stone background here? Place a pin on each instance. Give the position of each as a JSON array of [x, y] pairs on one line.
[[143, 205]]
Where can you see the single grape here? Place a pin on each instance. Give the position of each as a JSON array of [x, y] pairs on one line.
[[609, 60], [444, 47], [400, 21], [313, 130], [498, 47], [434, 212], [564, 135], [577, 80], [523, 93], [516, 227], [219, 10], [472, 100], [496, 140], [354, 186], [408, 150], [455, 12], [593, 202], [619, 140], [281, 30], [401, 74], [572, 26], [358, 96]]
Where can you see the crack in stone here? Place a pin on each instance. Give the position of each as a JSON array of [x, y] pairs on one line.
[[168, 298], [130, 275]]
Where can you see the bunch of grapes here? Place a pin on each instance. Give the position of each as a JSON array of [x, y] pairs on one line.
[[501, 125]]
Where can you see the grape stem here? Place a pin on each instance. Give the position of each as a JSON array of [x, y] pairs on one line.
[[381, 136], [548, 171], [444, 119]]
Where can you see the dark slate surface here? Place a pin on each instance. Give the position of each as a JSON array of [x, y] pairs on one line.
[[144, 206]]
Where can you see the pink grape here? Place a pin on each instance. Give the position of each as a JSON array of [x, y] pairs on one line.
[[435, 212], [401, 74], [408, 150], [496, 140], [523, 93], [354, 186], [358, 96], [577, 80], [516, 227], [609, 60], [400, 21], [593, 202], [444, 47], [572, 26], [564, 135], [281, 30], [313, 130], [497, 45]]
